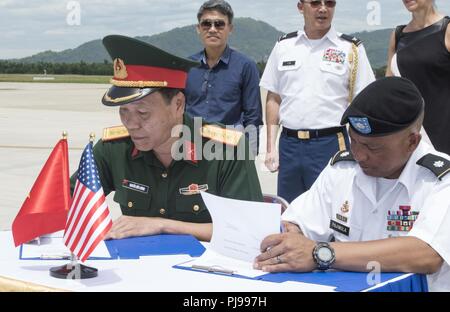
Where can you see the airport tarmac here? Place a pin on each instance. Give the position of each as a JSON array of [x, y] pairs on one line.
[[32, 119]]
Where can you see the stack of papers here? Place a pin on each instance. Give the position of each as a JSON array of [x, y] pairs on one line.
[[238, 230]]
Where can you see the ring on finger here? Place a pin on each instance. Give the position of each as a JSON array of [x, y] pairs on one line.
[[279, 260]]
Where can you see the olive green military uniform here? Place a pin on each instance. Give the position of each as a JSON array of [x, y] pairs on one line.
[[144, 187]]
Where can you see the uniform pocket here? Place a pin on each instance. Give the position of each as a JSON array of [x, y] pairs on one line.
[[354, 234], [190, 204], [333, 68], [133, 203]]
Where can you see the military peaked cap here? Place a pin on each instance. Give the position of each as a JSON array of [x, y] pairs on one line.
[[141, 68]]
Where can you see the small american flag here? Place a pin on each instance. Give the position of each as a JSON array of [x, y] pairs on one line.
[[89, 219]]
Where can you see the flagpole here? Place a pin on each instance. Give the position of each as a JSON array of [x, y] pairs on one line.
[[73, 258], [74, 270]]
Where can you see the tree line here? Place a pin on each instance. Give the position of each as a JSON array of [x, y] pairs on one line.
[[83, 68]]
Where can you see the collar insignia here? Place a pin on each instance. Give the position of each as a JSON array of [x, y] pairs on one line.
[[345, 207], [190, 152]]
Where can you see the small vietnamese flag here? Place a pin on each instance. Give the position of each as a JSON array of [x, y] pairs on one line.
[[45, 209]]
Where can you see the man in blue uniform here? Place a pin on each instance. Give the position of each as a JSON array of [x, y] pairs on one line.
[[311, 76]]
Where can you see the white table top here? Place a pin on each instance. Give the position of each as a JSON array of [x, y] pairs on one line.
[[150, 273]]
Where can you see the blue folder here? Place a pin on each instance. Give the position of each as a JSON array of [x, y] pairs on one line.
[[164, 244], [343, 281], [134, 247], [346, 281]]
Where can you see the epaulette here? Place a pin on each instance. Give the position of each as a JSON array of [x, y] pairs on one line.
[[223, 135], [440, 166], [351, 39], [114, 133], [288, 36], [342, 156]]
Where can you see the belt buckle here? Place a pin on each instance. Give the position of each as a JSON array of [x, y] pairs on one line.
[[303, 135]]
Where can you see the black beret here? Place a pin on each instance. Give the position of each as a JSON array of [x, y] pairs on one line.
[[385, 106]]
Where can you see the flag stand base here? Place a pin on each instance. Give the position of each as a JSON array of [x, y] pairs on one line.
[[71, 271]]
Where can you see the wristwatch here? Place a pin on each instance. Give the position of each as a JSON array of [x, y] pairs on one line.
[[323, 255]]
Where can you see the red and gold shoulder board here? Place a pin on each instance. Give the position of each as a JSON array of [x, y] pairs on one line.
[[114, 133], [226, 136]]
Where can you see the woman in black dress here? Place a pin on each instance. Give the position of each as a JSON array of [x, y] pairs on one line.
[[420, 51]]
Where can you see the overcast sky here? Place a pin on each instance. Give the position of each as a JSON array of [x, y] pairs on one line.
[[31, 26]]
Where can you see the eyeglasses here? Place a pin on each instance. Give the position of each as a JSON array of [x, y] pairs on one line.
[[317, 3], [207, 24]]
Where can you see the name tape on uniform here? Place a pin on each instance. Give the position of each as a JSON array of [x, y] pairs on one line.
[[339, 228], [135, 186]]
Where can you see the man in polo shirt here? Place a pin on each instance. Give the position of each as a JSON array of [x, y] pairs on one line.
[[311, 76]]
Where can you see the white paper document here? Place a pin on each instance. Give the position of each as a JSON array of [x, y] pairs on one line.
[[238, 230], [52, 247]]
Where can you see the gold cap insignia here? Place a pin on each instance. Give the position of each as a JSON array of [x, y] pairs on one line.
[[345, 207], [120, 70]]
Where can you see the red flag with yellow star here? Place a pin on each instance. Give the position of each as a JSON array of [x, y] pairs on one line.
[[45, 208]]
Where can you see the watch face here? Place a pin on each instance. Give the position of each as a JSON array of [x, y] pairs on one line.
[[324, 254]]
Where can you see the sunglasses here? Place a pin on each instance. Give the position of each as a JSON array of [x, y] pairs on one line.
[[207, 24], [317, 3]]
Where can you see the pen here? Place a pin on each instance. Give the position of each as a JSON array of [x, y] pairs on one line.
[[214, 269], [52, 257]]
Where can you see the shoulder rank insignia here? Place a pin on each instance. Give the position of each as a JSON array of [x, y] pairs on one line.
[[223, 135], [288, 36], [351, 39], [114, 133], [342, 156], [440, 166]]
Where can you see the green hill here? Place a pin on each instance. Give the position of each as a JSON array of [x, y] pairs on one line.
[[183, 41], [251, 37]]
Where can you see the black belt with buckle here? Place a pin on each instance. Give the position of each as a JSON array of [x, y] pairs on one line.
[[312, 134]]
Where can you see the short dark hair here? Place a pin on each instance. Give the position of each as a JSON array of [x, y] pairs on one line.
[[216, 5], [168, 93]]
